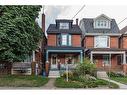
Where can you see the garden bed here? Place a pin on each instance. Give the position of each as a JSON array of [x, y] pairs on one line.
[[22, 81], [62, 83], [118, 77]]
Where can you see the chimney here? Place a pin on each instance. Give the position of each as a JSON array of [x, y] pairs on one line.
[[76, 21], [43, 22]]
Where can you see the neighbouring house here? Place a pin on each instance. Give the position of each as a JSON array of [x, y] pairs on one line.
[[63, 44], [123, 44], [101, 41], [35, 62]]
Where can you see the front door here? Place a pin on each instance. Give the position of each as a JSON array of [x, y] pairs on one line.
[[106, 60], [54, 61]]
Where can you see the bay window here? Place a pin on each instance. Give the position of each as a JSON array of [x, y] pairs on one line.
[[101, 42], [64, 40]]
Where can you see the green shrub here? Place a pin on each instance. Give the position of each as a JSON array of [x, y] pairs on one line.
[[86, 67], [70, 75], [112, 74]]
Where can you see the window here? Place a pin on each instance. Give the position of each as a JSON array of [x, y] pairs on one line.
[[64, 25], [69, 40], [101, 42], [2, 66], [106, 59], [64, 40], [102, 24]]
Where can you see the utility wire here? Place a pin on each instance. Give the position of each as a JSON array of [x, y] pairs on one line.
[[122, 20], [78, 11]]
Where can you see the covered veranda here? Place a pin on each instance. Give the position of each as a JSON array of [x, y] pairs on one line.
[[113, 59]]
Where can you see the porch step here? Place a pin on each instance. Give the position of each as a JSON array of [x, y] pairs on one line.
[[54, 74], [102, 74]]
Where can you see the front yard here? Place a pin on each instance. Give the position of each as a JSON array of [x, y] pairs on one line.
[[22, 81], [62, 83], [120, 79]]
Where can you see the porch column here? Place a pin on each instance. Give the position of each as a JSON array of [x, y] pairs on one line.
[[33, 56], [91, 57], [81, 56], [124, 58], [46, 55]]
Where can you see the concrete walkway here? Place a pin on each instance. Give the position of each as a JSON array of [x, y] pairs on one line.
[[50, 84], [121, 86]]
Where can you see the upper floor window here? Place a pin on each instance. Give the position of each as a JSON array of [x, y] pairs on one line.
[[64, 40], [64, 26], [102, 24], [101, 42]]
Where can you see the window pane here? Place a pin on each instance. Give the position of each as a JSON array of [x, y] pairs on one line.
[[64, 39], [101, 41], [106, 59], [69, 39]]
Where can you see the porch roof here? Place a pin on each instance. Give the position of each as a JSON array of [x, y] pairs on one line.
[[64, 48], [106, 50]]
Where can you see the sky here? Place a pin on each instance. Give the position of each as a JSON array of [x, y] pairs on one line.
[[90, 11]]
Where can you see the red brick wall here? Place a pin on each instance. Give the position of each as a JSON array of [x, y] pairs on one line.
[[51, 40], [124, 42], [114, 42], [99, 61], [76, 40], [114, 61], [89, 42]]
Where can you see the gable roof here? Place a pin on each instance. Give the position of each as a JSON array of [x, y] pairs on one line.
[[89, 27], [124, 30], [103, 15]]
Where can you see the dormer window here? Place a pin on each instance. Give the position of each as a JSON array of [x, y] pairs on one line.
[[102, 21], [102, 24], [64, 26]]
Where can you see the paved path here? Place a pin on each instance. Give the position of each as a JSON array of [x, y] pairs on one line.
[[50, 84], [122, 86]]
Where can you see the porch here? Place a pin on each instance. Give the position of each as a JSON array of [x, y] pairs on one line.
[[108, 60], [59, 58]]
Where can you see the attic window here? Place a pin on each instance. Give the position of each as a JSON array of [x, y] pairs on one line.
[[102, 24], [64, 26]]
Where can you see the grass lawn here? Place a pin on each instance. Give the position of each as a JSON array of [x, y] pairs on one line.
[[120, 79], [61, 83], [22, 81]]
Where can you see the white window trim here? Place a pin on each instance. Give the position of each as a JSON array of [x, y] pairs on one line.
[[101, 47], [97, 27]]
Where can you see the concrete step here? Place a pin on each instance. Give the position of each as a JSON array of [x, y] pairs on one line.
[[54, 74], [102, 74]]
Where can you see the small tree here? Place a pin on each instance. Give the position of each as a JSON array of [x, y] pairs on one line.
[[86, 67]]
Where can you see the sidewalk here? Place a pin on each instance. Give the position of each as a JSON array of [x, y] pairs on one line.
[[121, 86]]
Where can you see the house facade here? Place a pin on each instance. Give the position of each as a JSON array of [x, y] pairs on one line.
[[101, 41], [64, 43]]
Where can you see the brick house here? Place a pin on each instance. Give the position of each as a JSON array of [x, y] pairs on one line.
[[101, 41], [123, 44], [35, 62], [64, 43]]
